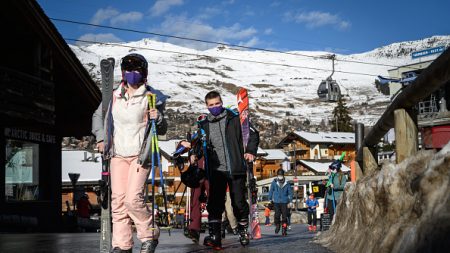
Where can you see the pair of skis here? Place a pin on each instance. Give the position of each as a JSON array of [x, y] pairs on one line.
[[243, 108], [104, 195]]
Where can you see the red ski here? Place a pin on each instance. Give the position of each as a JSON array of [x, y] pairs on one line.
[[243, 108]]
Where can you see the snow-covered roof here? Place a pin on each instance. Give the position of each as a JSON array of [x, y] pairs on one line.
[[327, 137], [275, 154], [261, 152], [170, 146], [321, 166], [73, 162]]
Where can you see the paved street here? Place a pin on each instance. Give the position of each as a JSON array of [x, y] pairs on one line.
[[298, 240]]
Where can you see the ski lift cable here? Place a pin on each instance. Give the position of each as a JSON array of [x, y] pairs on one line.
[[218, 57], [215, 42]]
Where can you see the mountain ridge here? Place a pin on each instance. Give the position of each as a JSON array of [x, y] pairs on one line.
[[281, 85]]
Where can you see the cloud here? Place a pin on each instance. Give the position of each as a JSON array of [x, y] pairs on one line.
[[249, 13], [194, 28], [228, 2], [314, 19], [162, 6], [268, 31], [104, 14], [100, 37], [208, 12], [250, 43], [115, 17], [275, 4], [128, 17]]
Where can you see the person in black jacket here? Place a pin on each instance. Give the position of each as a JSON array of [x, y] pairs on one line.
[[226, 165]]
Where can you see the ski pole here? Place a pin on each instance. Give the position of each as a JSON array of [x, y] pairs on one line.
[[161, 176], [151, 102], [155, 152], [334, 201]]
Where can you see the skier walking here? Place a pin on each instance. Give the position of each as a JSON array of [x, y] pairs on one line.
[[226, 166], [336, 187], [312, 204], [198, 196], [128, 144], [280, 194]]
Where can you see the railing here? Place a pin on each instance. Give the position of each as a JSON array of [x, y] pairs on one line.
[[430, 80]]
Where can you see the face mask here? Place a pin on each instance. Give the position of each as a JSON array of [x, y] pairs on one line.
[[133, 77], [216, 110], [281, 178]]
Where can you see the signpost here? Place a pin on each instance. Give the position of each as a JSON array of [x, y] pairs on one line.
[[296, 190], [427, 52], [74, 179]]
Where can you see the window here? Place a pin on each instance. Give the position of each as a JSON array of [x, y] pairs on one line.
[[21, 171]]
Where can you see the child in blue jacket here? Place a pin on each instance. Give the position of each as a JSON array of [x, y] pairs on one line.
[[312, 204], [281, 194]]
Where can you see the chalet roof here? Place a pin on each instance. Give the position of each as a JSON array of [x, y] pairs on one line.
[[320, 167], [319, 137], [327, 137], [169, 146], [275, 154], [72, 161]]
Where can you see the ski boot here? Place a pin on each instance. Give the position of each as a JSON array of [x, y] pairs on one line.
[[223, 229], [214, 239], [284, 230], [277, 228], [244, 238], [119, 250], [149, 246]]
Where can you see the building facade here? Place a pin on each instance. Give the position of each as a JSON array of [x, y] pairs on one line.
[[41, 85]]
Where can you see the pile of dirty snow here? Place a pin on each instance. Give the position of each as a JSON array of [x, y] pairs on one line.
[[400, 208]]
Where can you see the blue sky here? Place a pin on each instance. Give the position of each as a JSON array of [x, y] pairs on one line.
[[332, 25]]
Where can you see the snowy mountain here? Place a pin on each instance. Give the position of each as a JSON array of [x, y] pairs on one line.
[[281, 85]]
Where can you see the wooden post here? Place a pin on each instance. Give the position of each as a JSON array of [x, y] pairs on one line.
[[369, 162], [405, 135]]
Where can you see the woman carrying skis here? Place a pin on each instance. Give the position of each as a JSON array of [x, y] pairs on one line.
[[127, 143]]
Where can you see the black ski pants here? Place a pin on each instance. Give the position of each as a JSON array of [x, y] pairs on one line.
[[312, 218], [280, 210], [218, 182]]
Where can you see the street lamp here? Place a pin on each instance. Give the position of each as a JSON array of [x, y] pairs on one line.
[[295, 178], [74, 179]]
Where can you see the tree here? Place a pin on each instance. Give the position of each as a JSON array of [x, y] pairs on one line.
[[342, 122]]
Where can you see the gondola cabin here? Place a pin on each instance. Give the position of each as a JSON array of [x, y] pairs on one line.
[[329, 90]]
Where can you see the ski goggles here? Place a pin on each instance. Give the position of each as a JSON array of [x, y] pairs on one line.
[[131, 63]]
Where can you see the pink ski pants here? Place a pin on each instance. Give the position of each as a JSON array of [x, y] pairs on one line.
[[127, 203]]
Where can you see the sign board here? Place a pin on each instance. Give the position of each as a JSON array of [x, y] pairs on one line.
[[325, 221], [315, 189], [426, 52]]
